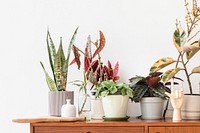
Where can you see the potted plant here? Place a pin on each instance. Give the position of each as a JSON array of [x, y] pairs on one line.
[[114, 97], [59, 66], [94, 72], [187, 44], [150, 92]]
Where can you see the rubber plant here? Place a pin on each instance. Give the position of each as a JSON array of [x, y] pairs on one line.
[[59, 63], [94, 69], [150, 86], [187, 46]]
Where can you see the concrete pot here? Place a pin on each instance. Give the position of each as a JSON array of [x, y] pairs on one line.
[[152, 108], [57, 99], [115, 106], [191, 107]]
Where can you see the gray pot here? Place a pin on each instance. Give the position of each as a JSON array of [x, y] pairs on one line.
[[152, 108], [57, 99]]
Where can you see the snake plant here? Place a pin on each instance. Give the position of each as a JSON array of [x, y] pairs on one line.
[[59, 63]]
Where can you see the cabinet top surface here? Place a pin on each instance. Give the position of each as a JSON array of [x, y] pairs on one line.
[[130, 122]]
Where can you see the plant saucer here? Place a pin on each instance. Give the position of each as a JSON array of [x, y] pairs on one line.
[[115, 118]]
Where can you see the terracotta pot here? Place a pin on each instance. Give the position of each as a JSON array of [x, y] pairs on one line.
[[57, 99]]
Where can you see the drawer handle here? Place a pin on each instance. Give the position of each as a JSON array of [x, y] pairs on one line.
[[88, 132]]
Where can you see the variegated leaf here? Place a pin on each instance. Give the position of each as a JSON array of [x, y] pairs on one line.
[[50, 82], [192, 49], [89, 47], [180, 38], [169, 74], [196, 69], [161, 63]]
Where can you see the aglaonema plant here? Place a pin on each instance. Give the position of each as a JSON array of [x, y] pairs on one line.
[[187, 46], [59, 63]]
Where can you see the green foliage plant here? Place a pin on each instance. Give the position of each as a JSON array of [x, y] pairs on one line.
[[150, 86], [59, 64], [110, 87], [186, 44]]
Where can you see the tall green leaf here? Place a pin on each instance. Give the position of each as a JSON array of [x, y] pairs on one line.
[[51, 53], [58, 68], [50, 82], [69, 51]]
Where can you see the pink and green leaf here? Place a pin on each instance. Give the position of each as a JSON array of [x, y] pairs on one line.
[[101, 44]]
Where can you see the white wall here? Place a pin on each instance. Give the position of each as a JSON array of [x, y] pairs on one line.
[[137, 34]]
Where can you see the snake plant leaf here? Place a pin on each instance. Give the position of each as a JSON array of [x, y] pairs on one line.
[[179, 38], [161, 63], [192, 49], [196, 69], [51, 52], [101, 44], [69, 51], [60, 73], [169, 74], [50, 82]]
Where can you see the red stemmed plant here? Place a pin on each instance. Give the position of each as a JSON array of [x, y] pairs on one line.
[[94, 69]]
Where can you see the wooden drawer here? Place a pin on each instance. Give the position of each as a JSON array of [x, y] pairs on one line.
[[183, 129], [57, 129], [113, 130], [156, 129]]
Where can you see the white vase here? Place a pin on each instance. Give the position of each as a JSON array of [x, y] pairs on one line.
[[191, 107], [68, 110], [115, 106], [152, 108]]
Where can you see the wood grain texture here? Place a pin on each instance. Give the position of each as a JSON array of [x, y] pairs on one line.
[[48, 119], [183, 130]]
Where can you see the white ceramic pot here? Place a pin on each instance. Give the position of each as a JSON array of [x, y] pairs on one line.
[[115, 106], [68, 110], [191, 107], [152, 108], [96, 108]]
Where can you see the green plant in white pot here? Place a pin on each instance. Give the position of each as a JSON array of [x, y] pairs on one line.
[[187, 43], [59, 66], [115, 98], [150, 92]]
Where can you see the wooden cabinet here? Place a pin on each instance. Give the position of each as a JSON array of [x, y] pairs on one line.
[[131, 126]]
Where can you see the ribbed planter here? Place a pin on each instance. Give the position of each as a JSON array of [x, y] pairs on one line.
[[115, 106], [191, 107], [57, 99], [152, 108]]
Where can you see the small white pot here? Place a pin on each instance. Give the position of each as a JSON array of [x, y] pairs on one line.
[[115, 106], [191, 107], [152, 108]]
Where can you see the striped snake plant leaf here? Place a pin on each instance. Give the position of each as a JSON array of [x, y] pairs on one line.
[[161, 63], [58, 69], [169, 74], [192, 49], [68, 52], [196, 69], [50, 82], [51, 52], [179, 38]]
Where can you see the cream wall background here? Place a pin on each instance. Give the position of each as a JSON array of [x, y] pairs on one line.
[[137, 34]]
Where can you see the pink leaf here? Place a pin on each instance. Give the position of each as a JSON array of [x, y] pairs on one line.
[[116, 69]]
